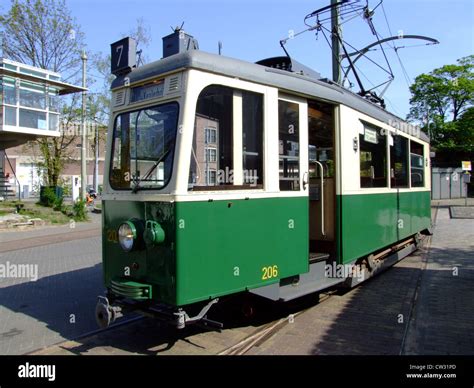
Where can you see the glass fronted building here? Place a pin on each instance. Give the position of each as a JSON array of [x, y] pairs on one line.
[[29, 104], [29, 109], [29, 101]]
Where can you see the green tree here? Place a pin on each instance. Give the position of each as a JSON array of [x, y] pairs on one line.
[[43, 33], [465, 130], [441, 99]]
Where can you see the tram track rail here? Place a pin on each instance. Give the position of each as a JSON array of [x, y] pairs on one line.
[[88, 334], [416, 291], [267, 331]]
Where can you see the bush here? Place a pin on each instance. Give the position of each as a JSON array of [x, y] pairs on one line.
[[49, 197], [58, 204], [65, 185], [79, 209]]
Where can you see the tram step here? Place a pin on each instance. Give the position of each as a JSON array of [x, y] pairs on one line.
[[313, 281], [315, 257]]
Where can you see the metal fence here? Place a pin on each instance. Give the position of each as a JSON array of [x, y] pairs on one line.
[[447, 183]]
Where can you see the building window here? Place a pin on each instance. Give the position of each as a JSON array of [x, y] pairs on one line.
[[211, 155], [53, 100], [211, 135], [53, 122], [10, 116], [32, 119], [9, 91], [289, 146], [32, 96], [399, 162], [373, 158], [211, 177], [417, 164]]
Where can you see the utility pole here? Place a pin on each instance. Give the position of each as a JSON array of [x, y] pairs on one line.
[[84, 137], [96, 164], [336, 35]]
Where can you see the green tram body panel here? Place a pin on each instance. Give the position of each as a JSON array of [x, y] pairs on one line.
[[212, 248], [374, 221], [156, 265]]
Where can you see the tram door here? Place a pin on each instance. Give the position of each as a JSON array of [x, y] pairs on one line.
[[322, 180]]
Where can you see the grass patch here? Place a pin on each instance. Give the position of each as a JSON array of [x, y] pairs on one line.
[[45, 213], [56, 213], [11, 204]]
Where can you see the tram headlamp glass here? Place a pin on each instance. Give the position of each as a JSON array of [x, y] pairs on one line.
[[127, 234]]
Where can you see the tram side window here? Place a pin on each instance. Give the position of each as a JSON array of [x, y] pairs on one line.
[[373, 158], [417, 164], [252, 139], [289, 166], [227, 148], [399, 162]]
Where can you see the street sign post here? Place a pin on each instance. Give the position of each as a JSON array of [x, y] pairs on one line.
[[466, 167]]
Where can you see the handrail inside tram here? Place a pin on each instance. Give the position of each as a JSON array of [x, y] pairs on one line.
[[321, 174]]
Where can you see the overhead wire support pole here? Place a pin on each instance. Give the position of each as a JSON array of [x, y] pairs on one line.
[[83, 129], [351, 64], [336, 34]]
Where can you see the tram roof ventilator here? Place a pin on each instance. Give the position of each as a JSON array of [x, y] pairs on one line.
[[178, 42], [287, 63]]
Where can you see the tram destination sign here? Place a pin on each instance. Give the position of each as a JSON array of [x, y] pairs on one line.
[[148, 91], [370, 135], [123, 56]]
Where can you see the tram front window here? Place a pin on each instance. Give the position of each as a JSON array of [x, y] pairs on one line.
[[143, 148]]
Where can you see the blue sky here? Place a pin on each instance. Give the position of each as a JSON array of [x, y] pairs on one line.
[[251, 30]]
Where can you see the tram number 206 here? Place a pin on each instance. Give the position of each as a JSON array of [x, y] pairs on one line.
[[269, 272]]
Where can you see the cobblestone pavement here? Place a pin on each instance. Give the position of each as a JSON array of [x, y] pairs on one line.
[[416, 307], [370, 319], [444, 313]]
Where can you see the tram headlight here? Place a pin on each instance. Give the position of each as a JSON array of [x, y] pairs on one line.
[[127, 234]]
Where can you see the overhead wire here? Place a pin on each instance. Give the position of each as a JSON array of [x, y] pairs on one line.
[[404, 71], [352, 11], [385, 98]]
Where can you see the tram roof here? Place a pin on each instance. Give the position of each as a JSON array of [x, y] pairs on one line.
[[284, 80]]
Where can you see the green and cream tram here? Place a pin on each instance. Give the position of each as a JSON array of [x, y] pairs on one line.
[[224, 176]]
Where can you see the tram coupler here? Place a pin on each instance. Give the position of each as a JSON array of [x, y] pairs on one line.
[[182, 318], [105, 314]]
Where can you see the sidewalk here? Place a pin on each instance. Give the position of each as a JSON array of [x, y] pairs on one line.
[[11, 239], [379, 317], [444, 313]]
